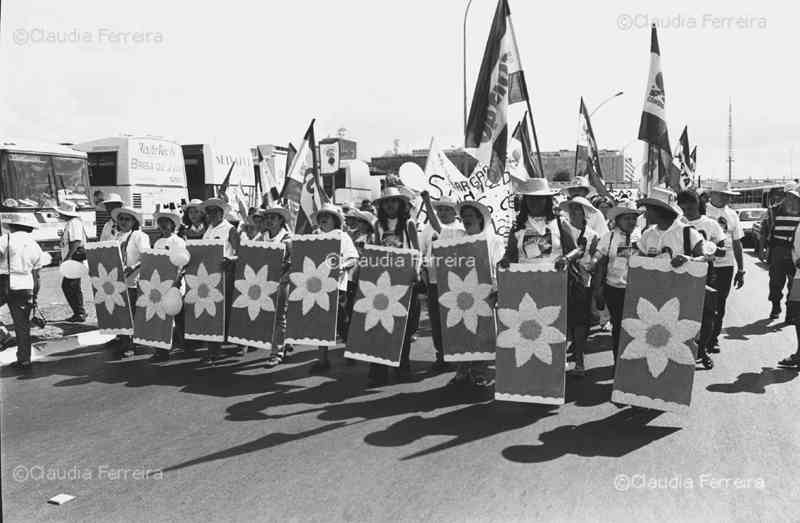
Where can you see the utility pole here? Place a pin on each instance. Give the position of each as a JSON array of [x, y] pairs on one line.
[[730, 140]]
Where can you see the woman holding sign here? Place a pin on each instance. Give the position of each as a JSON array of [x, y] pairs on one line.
[[275, 230]]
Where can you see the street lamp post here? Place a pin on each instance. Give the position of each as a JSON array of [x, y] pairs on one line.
[[620, 93], [466, 11]]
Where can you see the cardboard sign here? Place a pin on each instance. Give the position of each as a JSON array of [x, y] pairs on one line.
[[204, 301], [465, 283], [110, 290], [380, 311], [313, 289], [152, 323], [531, 343], [661, 317], [258, 271]]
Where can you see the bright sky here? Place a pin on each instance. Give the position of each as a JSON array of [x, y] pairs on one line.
[[257, 72]]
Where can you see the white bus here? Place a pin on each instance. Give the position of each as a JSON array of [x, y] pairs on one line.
[[146, 171], [208, 164], [35, 178]]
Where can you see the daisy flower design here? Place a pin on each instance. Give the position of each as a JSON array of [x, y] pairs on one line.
[[530, 331], [108, 288], [153, 291], [381, 302], [203, 291], [313, 285], [466, 300], [256, 292], [659, 336]]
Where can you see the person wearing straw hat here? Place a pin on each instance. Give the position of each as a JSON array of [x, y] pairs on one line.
[[611, 261], [193, 223], [22, 259], [275, 220], [168, 240], [133, 242], [780, 234], [109, 231], [583, 189], [73, 247], [361, 228], [718, 209], [327, 219], [667, 233]]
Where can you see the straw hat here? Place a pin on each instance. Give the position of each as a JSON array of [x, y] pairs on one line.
[[364, 216], [662, 198], [328, 208], [128, 211], [581, 182], [534, 187], [444, 201], [627, 207], [578, 200], [66, 208], [218, 203], [722, 187], [280, 211], [113, 198], [168, 215], [481, 208], [21, 220], [196, 203], [393, 192]]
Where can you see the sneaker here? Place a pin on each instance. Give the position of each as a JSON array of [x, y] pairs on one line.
[[776, 311], [706, 361], [713, 348], [320, 367]]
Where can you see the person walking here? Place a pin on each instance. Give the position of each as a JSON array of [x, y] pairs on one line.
[[168, 240], [73, 247], [109, 231], [781, 234]]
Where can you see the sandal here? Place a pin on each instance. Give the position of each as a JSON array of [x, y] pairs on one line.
[[706, 361], [274, 361], [791, 361]]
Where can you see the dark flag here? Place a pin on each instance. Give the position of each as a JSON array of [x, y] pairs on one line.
[[593, 153], [303, 190], [693, 159], [653, 125], [522, 167]]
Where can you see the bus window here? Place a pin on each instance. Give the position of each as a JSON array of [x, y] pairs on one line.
[[103, 168], [28, 180], [71, 178]]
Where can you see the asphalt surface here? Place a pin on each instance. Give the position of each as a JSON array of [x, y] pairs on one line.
[[183, 442]]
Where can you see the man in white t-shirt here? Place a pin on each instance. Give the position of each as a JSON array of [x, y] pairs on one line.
[[73, 244], [728, 220]]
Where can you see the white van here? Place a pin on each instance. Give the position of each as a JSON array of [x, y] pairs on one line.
[[147, 171]]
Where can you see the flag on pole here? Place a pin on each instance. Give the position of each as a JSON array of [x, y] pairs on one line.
[[303, 189], [630, 170], [520, 162], [223, 188], [500, 84], [693, 159], [653, 125], [593, 153], [684, 157]]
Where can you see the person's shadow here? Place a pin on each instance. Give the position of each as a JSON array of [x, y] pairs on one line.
[[756, 328], [614, 436], [755, 382]]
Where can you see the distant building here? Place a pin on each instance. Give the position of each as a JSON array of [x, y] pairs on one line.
[[381, 165], [612, 164]]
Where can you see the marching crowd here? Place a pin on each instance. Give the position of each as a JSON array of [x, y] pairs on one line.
[[591, 237]]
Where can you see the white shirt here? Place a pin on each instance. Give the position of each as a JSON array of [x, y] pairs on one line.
[[729, 222], [171, 243], [138, 242], [654, 240], [73, 232], [429, 235], [25, 257], [618, 247], [221, 232], [586, 260], [711, 232], [109, 231], [347, 251], [597, 222]]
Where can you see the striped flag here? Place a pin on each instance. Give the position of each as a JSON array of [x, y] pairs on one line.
[[520, 162], [693, 159], [630, 170], [303, 189], [653, 125]]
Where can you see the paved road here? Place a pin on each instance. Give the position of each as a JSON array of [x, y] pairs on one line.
[[246, 444]]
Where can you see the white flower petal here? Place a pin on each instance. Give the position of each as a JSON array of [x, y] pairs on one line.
[[670, 311], [551, 335], [509, 317], [656, 362], [508, 339], [685, 330], [679, 353], [471, 279], [470, 318], [647, 312], [636, 349], [636, 328], [543, 352], [453, 317], [370, 320], [363, 305], [454, 283], [449, 300], [548, 315]]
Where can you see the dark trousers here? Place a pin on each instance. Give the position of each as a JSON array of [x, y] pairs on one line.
[[346, 302], [74, 295], [381, 372], [215, 347], [781, 272], [615, 300], [436, 320], [723, 277], [20, 304], [710, 306]]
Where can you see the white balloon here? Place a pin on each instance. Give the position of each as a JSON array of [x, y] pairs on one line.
[[72, 269], [179, 257], [172, 301], [413, 176]]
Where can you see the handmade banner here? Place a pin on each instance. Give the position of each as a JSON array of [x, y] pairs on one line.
[[204, 302], [158, 302], [255, 287], [313, 290], [110, 291], [465, 283], [661, 317], [380, 312], [531, 344]]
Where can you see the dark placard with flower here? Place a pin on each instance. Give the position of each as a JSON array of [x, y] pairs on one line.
[[531, 343], [158, 302], [204, 301], [313, 289], [255, 293], [380, 311], [109, 288], [465, 288], [661, 317]]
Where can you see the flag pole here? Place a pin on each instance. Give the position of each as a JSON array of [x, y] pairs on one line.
[[527, 96]]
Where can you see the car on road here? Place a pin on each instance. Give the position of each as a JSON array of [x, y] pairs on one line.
[[748, 218]]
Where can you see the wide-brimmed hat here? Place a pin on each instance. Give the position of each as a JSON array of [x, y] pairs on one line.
[[196, 203], [534, 187], [722, 187], [67, 208], [280, 211], [218, 203], [364, 216], [626, 207], [113, 198], [580, 182], [578, 200], [481, 208], [445, 201], [168, 215], [126, 210], [328, 208], [662, 198], [393, 192], [21, 220]]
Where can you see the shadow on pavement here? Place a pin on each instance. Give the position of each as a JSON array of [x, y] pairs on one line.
[[755, 382], [613, 437], [587, 391], [756, 328]]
